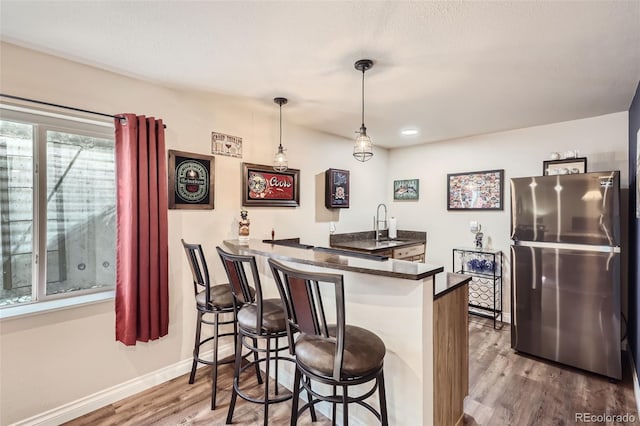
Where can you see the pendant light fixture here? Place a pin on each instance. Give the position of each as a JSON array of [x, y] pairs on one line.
[[362, 149], [280, 162]]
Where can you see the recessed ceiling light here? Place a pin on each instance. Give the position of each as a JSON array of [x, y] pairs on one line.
[[409, 132]]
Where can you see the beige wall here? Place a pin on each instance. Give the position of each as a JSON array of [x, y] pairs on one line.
[[51, 359]]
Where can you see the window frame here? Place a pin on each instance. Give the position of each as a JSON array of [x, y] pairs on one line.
[[44, 121]]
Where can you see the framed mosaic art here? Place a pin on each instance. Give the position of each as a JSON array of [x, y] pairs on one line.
[[475, 190]]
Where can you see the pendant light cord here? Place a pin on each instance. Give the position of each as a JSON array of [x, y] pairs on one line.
[[280, 146], [363, 97]]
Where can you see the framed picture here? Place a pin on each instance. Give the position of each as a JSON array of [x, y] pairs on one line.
[[264, 187], [407, 189], [190, 180], [336, 189], [564, 167], [475, 190], [223, 144]]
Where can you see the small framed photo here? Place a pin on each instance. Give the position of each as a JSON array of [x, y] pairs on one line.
[[407, 189], [564, 167], [223, 144], [475, 190], [191, 180], [336, 189], [264, 187]]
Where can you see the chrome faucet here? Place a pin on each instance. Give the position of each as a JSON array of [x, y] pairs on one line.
[[376, 222]]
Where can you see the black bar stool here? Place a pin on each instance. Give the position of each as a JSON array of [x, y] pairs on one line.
[[210, 300], [258, 319], [338, 355]]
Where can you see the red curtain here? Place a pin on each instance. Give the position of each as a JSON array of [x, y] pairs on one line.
[[142, 290]]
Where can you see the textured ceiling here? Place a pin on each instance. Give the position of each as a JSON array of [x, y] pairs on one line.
[[449, 69]]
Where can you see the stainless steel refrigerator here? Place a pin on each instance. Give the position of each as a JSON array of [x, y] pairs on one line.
[[565, 269]]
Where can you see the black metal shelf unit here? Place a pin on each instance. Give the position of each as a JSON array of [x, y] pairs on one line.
[[485, 288]]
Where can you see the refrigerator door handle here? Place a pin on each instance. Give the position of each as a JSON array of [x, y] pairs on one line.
[[565, 246]]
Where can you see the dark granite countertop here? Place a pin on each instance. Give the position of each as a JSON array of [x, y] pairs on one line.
[[366, 242], [390, 268], [448, 282]]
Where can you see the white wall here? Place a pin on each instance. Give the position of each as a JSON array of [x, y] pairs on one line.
[[603, 140], [51, 359]]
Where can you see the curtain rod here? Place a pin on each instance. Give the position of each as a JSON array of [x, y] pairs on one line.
[[4, 95]]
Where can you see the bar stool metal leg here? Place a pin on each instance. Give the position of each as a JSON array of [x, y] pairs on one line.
[[196, 348], [335, 406], [345, 406], [310, 398], [383, 400], [236, 378], [214, 374], [266, 381], [296, 397], [255, 359]]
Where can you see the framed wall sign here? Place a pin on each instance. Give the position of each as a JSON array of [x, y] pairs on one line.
[[223, 144], [406, 189], [564, 167], [336, 189], [264, 187], [475, 190], [190, 180]]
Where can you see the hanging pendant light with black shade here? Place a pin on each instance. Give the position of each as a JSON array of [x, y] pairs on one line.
[[280, 162], [362, 148]]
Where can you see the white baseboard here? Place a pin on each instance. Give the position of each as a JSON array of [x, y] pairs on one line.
[[87, 404]]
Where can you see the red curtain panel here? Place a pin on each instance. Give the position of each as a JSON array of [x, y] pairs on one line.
[[142, 292]]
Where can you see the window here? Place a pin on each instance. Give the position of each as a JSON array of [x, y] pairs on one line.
[[57, 206]]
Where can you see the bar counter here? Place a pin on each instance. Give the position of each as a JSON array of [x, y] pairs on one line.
[[414, 309]]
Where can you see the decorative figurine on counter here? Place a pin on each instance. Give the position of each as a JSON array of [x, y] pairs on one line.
[[243, 228]]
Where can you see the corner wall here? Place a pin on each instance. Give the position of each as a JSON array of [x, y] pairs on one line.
[[603, 140]]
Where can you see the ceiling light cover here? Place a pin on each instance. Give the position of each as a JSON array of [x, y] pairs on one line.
[[362, 148], [280, 163], [409, 132]]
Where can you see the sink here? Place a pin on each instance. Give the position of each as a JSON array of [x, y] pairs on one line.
[[370, 245], [387, 243], [388, 240]]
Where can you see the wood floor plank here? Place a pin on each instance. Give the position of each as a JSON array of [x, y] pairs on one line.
[[505, 388], [509, 388]]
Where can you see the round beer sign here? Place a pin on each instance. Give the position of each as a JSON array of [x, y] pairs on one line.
[[191, 181]]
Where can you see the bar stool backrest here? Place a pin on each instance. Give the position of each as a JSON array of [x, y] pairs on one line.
[[301, 295], [199, 270], [236, 266]]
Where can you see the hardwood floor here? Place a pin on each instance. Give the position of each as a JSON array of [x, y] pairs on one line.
[[505, 388]]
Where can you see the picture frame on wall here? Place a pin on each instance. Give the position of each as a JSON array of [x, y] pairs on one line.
[[336, 189], [564, 167], [406, 189], [223, 144], [264, 187], [191, 180], [481, 190]]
